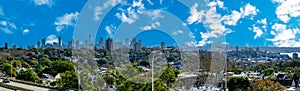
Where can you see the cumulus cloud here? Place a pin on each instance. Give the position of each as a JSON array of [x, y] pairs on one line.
[[7, 27], [25, 31], [152, 26], [52, 39], [98, 11], [66, 21], [177, 32], [131, 13], [196, 16], [154, 14], [258, 32], [259, 28], [110, 29], [218, 3], [287, 9], [211, 19], [284, 37], [191, 43], [235, 15], [128, 19], [43, 2]]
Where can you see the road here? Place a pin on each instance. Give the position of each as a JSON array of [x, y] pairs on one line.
[[35, 88], [5, 89]]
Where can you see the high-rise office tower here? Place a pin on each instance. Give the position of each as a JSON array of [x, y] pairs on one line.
[[6, 45], [59, 41], [108, 44], [86, 44], [162, 45], [101, 43], [38, 44], [77, 44], [126, 42], [43, 43]]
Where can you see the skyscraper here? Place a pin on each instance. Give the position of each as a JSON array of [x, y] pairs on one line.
[[77, 44], [162, 45], [38, 45], [14, 46], [86, 44], [43, 43], [108, 44], [6, 45], [101, 43], [237, 50], [59, 41], [126, 42]]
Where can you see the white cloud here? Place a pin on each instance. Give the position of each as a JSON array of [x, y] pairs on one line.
[[196, 16], [110, 29], [177, 32], [204, 37], [284, 37], [235, 16], [218, 3], [258, 32], [262, 21], [3, 23], [152, 26], [259, 28], [131, 13], [7, 26], [98, 11], [191, 43], [191, 35], [126, 18], [154, 14], [66, 21], [138, 4], [211, 19], [43, 2], [25, 31], [287, 9], [52, 39]]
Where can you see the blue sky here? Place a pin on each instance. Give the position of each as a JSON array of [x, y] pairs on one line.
[[243, 22]]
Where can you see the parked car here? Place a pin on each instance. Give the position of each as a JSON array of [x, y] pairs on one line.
[[5, 80]]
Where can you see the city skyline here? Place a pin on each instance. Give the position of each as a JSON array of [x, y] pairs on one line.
[[256, 24]]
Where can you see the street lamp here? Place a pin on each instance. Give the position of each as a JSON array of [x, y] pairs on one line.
[[152, 64]]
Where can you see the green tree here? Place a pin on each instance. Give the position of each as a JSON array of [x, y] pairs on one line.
[[17, 63], [296, 75], [25, 64], [109, 80], [168, 76], [238, 83], [8, 69], [267, 85], [45, 62], [33, 62], [61, 67], [268, 71], [28, 75], [68, 80]]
